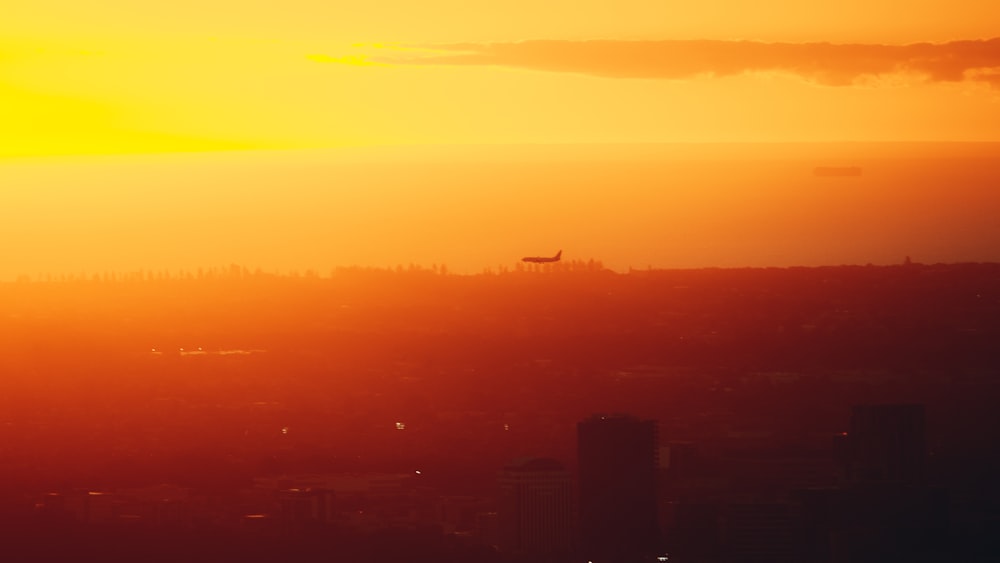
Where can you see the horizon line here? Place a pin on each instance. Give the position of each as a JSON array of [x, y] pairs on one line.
[[240, 272]]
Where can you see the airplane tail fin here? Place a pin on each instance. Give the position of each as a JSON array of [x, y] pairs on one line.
[[558, 255]]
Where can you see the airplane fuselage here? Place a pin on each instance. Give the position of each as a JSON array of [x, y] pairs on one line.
[[543, 259]]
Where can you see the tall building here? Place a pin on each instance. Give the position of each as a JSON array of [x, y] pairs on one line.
[[887, 444], [760, 532], [888, 513], [618, 463], [535, 509]]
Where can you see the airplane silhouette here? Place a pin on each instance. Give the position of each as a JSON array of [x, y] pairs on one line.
[[542, 259]]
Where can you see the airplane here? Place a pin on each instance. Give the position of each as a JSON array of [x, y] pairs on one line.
[[543, 259]]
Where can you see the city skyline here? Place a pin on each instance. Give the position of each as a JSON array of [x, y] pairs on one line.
[[366, 415], [314, 281], [474, 208]]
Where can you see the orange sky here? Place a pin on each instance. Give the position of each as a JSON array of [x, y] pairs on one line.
[[114, 77]]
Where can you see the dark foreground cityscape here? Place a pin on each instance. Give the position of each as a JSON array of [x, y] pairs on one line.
[[551, 413]]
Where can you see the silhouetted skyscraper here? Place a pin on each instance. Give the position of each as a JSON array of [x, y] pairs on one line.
[[887, 444], [888, 513], [535, 509], [618, 459]]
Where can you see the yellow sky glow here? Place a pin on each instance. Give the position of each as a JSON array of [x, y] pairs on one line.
[[125, 85], [118, 77]]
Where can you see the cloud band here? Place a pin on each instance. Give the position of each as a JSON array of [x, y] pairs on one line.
[[825, 63]]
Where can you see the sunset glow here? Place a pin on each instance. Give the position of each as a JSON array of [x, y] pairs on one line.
[[111, 77], [519, 281], [108, 79]]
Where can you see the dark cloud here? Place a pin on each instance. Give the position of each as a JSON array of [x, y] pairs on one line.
[[826, 63]]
